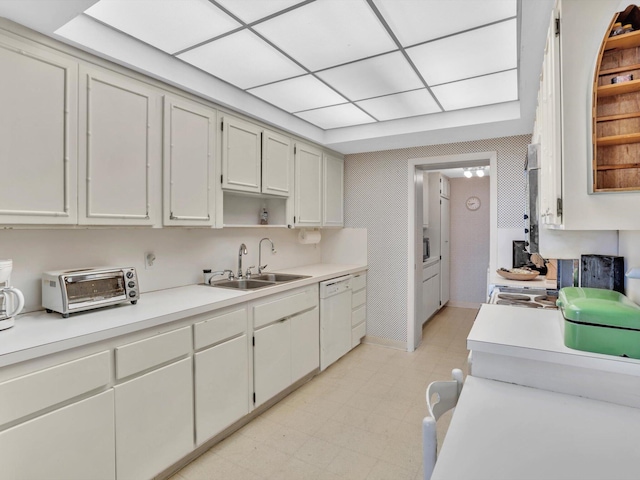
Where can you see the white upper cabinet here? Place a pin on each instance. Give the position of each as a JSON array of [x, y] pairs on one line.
[[38, 135], [333, 191], [276, 164], [119, 147], [241, 144], [445, 186], [188, 163], [308, 186], [425, 200], [254, 159]]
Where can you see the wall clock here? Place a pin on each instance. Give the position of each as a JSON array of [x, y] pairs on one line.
[[473, 203]]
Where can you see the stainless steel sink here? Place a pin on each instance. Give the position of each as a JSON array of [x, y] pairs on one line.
[[278, 277], [242, 284]]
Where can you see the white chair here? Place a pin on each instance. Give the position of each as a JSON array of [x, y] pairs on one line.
[[447, 394]]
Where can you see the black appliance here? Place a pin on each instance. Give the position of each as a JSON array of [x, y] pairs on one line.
[[426, 251], [602, 271]]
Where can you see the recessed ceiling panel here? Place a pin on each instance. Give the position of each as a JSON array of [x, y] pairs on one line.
[[415, 21], [338, 116], [478, 52], [243, 60], [326, 33], [170, 25], [407, 104], [373, 77], [296, 94], [495, 88], [251, 10]]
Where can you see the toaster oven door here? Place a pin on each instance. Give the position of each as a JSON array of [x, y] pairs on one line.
[[94, 289]]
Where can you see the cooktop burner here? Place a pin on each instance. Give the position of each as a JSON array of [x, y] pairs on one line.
[[514, 296], [525, 297], [546, 300]]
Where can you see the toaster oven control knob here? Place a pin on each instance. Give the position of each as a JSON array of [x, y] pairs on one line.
[[129, 274], [131, 284], [132, 293]]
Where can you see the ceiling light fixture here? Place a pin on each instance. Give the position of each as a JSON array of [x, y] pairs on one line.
[[469, 171], [480, 172]]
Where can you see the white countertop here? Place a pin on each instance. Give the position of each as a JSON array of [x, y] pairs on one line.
[[536, 334], [504, 431], [39, 333]]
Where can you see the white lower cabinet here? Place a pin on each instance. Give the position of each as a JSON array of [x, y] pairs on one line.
[[358, 308], [430, 290], [154, 420], [73, 442], [271, 360], [221, 386], [305, 343]]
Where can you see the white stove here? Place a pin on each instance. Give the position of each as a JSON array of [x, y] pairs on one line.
[[524, 297]]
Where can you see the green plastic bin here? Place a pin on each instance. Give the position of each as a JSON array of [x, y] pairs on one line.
[[600, 321]]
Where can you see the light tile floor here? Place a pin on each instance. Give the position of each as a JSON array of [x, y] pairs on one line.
[[359, 419]]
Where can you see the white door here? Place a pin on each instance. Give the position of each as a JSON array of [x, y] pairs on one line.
[[271, 360], [305, 343], [241, 144], [73, 442], [335, 328], [38, 136], [333, 192], [445, 250], [154, 420], [119, 147], [189, 163], [308, 186], [221, 386], [276, 164]]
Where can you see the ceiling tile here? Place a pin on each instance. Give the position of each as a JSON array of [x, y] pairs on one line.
[[478, 52], [418, 21], [296, 94], [486, 90], [224, 59], [326, 33], [407, 104], [336, 117], [251, 10], [373, 77], [170, 25]]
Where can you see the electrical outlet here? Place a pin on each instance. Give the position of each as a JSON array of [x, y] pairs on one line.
[[149, 260]]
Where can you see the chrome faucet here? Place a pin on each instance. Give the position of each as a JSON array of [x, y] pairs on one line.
[[273, 250], [242, 251]]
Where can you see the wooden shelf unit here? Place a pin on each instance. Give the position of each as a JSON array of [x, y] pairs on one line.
[[616, 109]]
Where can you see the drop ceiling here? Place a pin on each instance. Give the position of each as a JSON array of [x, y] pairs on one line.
[[351, 74]]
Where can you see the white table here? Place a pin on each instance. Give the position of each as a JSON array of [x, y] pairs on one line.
[[505, 431]]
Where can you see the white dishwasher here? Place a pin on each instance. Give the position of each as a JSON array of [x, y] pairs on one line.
[[335, 319]]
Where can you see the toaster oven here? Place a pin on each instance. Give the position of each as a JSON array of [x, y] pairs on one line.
[[70, 291]]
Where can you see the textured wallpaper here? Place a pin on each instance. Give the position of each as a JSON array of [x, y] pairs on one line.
[[376, 199]]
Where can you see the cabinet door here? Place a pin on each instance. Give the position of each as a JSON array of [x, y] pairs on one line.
[[73, 442], [276, 164], [445, 250], [308, 186], [221, 386], [335, 328], [424, 315], [445, 186], [189, 163], [38, 136], [425, 200], [119, 146], [305, 343], [154, 420], [241, 143], [271, 360], [333, 191]]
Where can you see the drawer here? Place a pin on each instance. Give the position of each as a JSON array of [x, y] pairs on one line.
[[430, 271], [357, 333], [220, 328], [285, 306], [145, 354], [359, 281], [39, 390], [359, 298], [358, 315]]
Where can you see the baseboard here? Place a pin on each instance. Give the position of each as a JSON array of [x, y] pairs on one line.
[[385, 342], [458, 304]]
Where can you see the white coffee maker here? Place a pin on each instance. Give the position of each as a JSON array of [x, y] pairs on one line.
[[11, 299]]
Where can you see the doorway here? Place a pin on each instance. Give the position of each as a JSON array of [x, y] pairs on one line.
[[442, 164]]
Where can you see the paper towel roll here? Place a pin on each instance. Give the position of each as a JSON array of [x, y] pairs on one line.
[[309, 237]]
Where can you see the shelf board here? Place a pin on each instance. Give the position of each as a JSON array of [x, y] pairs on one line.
[[616, 189], [618, 140], [620, 166], [618, 88], [621, 116], [627, 40], [611, 71]]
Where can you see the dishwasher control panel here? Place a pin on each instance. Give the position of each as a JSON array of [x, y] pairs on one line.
[[335, 286]]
